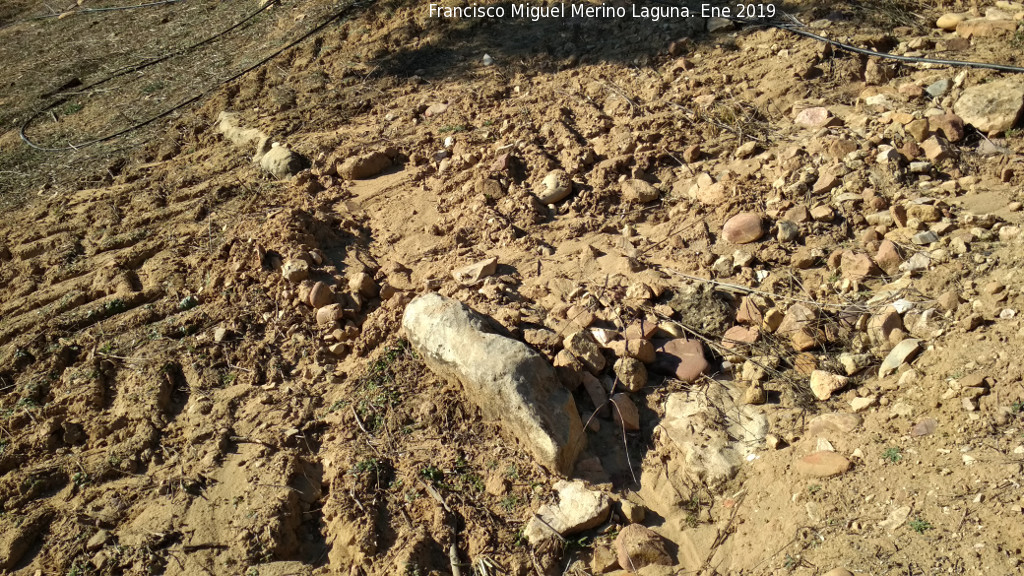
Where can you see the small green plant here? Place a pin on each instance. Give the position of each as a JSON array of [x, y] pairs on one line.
[[252, 571], [453, 129], [1017, 406], [512, 472], [71, 108], [3, 447], [920, 526], [1015, 132], [892, 455], [1018, 40], [188, 302], [510, 502], [368, 465], [814, 489], [432, 473], [80, 479]]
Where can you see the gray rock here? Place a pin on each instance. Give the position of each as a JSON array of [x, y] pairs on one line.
[[578, 509], [939, 89], [583, 346], [506, 379], [787, 231], [281, 162], [905, 351], [994, 106]]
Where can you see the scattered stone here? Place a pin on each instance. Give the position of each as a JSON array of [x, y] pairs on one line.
[[798, 326], [903, 352], [882, 325], [295, 271], [822, 213], [364, 166], [625, 413], [506, 379], [596, 391], [950, 125], [631, 373], [755, 394], [854, 363], [363, 283], [888, 257], [435, 109], [823, 464], [641, 329], [578, 509], [925, 427], [936, 150], [743, 228], [924, 238], [805, 363], [642, 350], [681, 358], [222, 334], [939, 88], [857, 267], [787, 231], [556, 187], [985, 27], [817, 117], [994, 106], [897, 518], [320, 295], [862, 404], [281, 162], [328, 316], [638, 546], [834, 423], [583, 346], [639, 191], [824, 384], [950, 21], [470, 274], [632, 513]]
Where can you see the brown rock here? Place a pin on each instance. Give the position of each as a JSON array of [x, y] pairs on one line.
[[624, 412], [857, 266], [881, 325], [817, 117], [833, 423], [362, 283], [364, 166], [642, 350], [631, 373], [888, 257], [739, 336], [692, 153], [748, 313], [320, 295], [597, 393], [743, 228], [950, 21], [824, 384], [638, 546], [936, 150], [328, 316], [638, 191], [799, 326], [681, 358], [918, 129], [472, 273], [951, 126], [823, 464], [983, 27], [949, 300], [641, 329], [825, 183], [583, 346]]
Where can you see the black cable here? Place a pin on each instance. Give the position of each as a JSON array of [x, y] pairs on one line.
[[795, 27], [883, 55], [140, 66]]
